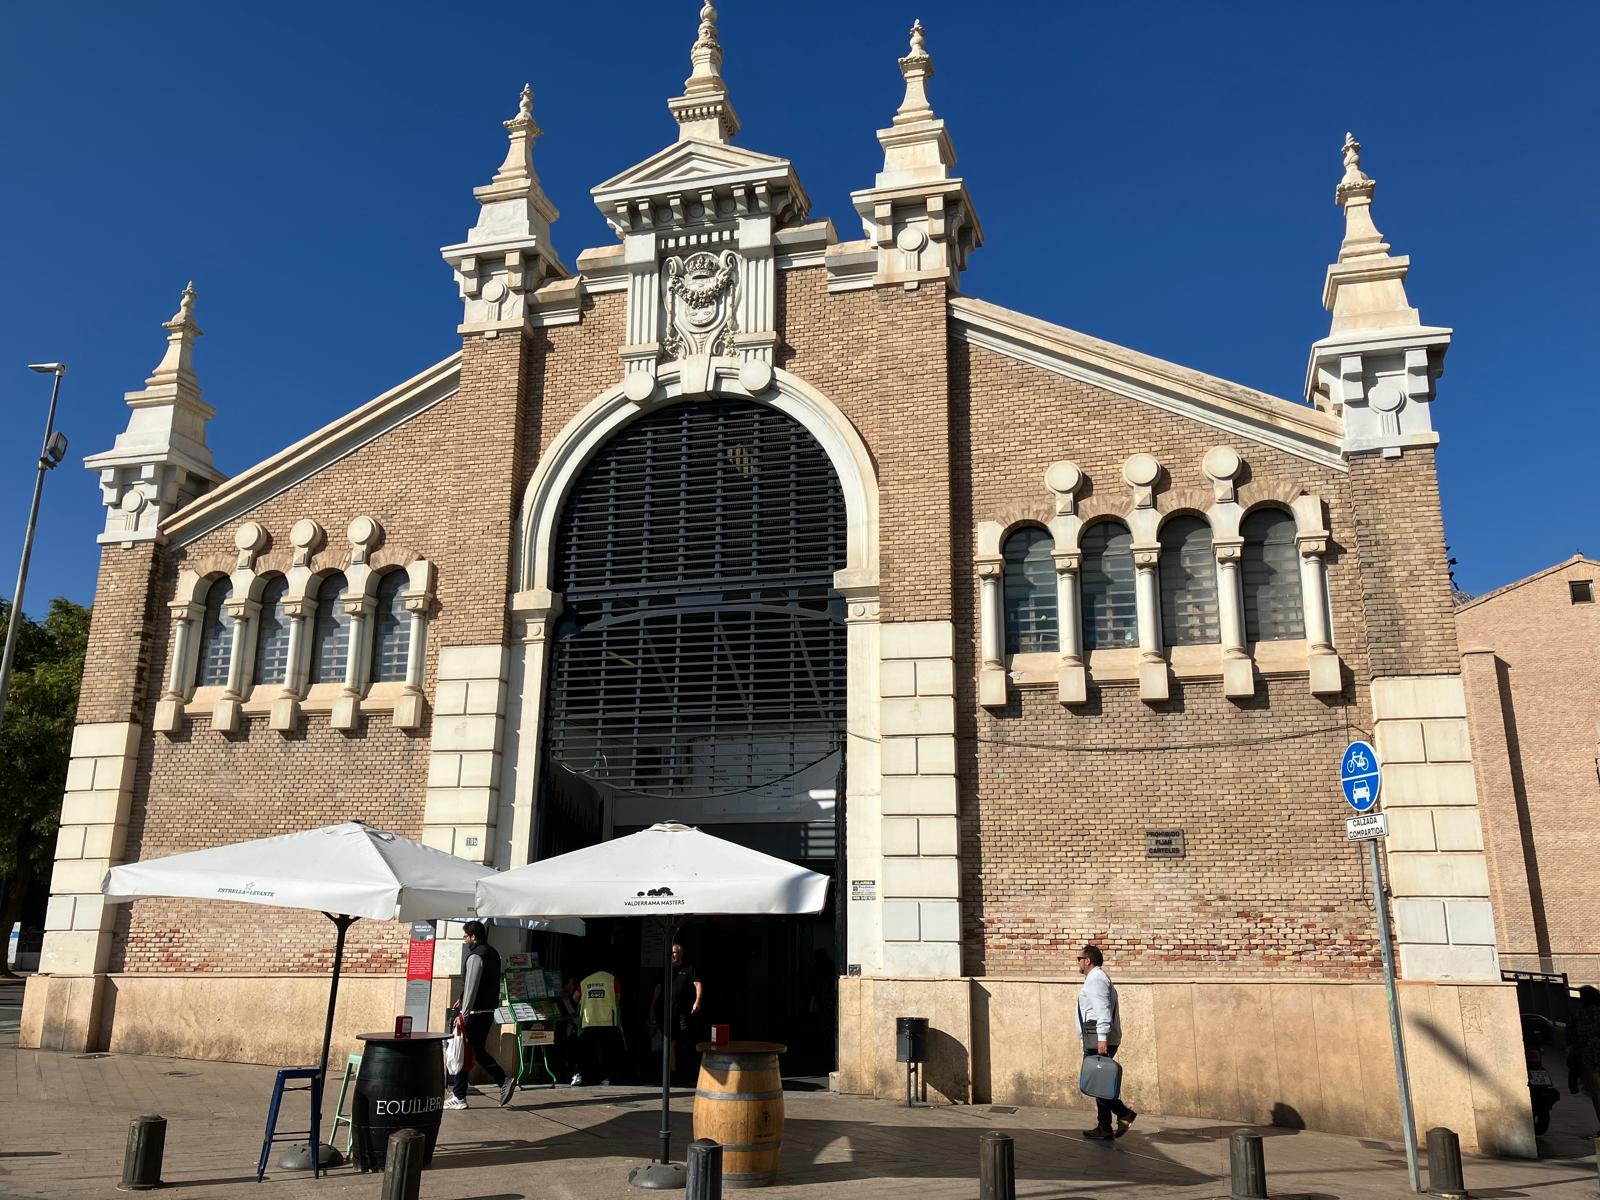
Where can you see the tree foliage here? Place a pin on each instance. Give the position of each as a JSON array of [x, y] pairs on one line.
[[36, 739]]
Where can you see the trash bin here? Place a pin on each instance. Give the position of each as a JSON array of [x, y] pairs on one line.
[[911, 1039]]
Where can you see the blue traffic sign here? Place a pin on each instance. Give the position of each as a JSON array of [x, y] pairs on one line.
[[1358, 775]]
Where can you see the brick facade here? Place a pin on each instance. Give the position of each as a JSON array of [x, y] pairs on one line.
[[1532, 666], [1399, 531], [1054, 800]]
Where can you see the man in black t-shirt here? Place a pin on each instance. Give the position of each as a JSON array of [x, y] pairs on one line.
[[687, 992]]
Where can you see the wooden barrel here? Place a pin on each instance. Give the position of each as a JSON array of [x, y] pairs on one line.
[[400, 1086], [738, 1103]]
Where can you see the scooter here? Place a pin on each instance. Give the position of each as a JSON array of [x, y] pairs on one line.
[[1542, 1091]]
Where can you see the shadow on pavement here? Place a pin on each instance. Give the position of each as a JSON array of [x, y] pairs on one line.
[[824, 1152]]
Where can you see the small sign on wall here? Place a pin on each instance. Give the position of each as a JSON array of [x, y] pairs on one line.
[[863, 889], [1163, 843]]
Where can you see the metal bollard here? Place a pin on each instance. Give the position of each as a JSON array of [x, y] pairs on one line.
[[705, 1170], [402, 1165], [997, 1166], [141, 1165], [1444, 1165], [1248, 1166]]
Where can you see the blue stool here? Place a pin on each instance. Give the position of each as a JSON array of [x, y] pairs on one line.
[[315, 1135]]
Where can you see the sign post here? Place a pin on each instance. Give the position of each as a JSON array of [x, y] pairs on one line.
[[1360, 778], [419, 974]]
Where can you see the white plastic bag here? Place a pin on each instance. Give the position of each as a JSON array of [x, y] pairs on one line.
[[455, 1052]]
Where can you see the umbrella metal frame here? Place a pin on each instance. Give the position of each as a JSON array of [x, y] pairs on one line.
[[664, 1174]]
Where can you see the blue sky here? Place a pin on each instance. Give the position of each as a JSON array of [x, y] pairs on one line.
[[1159, 175]]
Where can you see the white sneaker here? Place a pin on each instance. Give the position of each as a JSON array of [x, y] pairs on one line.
[[577, 1081], [453, 1102]]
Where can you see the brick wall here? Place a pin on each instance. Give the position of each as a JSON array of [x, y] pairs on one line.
[[1055, 801], [1399, 533], [443, 486], [120, 635], [880, 355], [1532, 708]]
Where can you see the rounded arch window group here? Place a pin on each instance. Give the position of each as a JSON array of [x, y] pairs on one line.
[[1190, 597]]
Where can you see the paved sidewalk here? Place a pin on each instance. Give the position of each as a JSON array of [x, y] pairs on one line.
[[64, 1119]]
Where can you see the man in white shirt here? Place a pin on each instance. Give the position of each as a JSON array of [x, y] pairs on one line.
[[1101, 1024]]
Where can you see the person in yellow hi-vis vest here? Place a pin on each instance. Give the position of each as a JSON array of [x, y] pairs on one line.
[[601, 1042]]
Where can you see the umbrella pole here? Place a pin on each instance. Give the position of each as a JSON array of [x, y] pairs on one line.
[[343, 923], [666, 1043], [316, 1149]]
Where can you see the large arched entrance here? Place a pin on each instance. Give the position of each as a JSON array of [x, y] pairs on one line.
[[698, 672]]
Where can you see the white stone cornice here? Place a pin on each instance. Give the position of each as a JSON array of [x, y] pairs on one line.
[[1297, 429]]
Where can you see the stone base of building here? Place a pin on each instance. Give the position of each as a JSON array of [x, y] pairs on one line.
[[1298, 1054], [273, 1019]]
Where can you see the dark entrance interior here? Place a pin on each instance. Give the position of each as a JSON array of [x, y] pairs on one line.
[[697, 673]]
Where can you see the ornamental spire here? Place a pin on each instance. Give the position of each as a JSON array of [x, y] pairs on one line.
[[704, 112], [1354, 195], [524, 131], [178, 361], [917, 68], [1366, 287]]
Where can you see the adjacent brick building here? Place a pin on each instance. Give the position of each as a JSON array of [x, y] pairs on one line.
[[1090, 632], [1531, 659]]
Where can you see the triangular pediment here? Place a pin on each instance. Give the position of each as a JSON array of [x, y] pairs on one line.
[[693, 160]]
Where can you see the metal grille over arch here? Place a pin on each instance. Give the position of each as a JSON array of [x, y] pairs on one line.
[[700, 658]]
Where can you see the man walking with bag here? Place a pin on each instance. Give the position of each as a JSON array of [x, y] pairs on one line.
[[480, 993], [1101, 1025]]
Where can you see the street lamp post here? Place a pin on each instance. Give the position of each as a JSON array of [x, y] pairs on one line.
[[51, 453]]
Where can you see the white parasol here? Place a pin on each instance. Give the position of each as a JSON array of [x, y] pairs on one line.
[[345, 872], [668, 871]]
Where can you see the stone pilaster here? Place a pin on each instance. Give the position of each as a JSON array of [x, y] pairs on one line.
[[462, 804], [921, 877], [1438, 874]]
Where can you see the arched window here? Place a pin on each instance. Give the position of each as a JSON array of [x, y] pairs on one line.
[[391, 633], [1188, 583], [216, 637], [1269, 573], [1106, 582], [1030, 592], [330, 636], [272, 639]]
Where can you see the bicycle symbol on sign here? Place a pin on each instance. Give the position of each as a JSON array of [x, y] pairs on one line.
[[1357, 761]]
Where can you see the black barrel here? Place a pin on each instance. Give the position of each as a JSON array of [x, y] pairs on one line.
[[400, 1086], [911, 1039]]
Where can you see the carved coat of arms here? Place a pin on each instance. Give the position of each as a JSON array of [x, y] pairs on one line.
[[701, 319]]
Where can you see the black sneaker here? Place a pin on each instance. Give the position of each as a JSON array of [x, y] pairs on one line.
[[506, 1088], [1099, 1135], [1126, 1123]]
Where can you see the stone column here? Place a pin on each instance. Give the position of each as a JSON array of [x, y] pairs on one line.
[[1326, 678], [1072, 685], [532, 611], [921, 878], [992, 633], [347, 708], [186, 617], [286, 708], [866, 765], [408, 709], [228, 713], [1152, 666], [1238, 673]]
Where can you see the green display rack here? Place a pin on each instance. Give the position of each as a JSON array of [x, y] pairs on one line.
[[531, 1000]]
